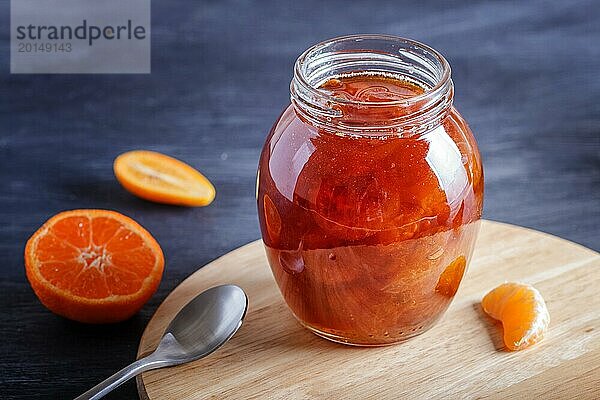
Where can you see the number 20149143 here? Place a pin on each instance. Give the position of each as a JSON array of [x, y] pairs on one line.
[[44, 47]]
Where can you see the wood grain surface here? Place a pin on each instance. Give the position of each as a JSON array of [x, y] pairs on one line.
[[526, 79], [273, 357]]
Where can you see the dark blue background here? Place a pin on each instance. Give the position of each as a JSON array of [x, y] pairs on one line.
[[526, 76]]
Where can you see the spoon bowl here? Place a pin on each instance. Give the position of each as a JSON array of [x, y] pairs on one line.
[[202, 326]]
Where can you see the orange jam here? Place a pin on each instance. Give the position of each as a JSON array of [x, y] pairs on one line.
[[369, 236], [371, 88]]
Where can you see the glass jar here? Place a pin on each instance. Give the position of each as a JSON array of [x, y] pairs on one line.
[[370, 189]]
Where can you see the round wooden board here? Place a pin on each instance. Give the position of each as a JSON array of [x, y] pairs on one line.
[[273, 357]]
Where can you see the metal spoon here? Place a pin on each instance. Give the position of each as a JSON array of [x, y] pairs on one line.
[[201, 327]]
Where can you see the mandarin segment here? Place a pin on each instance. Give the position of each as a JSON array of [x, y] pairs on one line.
[[143, 259], [90, 284], [61, 274], [79, 236], [523, 313], [124, 240], [103, 230], [93, 266], [451, 277], [52, 248], [122, 282], [272, 219]]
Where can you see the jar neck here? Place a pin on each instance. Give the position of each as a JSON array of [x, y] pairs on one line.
[[386, 56]]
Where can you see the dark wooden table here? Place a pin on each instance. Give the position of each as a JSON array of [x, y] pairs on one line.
[[526, 76]]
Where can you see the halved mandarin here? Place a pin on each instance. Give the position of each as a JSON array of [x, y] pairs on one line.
[[93, 266], [522, 311], [157, 177]]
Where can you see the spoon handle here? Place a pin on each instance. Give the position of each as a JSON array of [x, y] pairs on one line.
[[117, 379]]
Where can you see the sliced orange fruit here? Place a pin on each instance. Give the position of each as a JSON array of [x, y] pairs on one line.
[[157, 177], [523, 313], [94, 266]]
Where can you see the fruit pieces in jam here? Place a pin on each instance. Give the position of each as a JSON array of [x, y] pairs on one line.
[[369, 237]]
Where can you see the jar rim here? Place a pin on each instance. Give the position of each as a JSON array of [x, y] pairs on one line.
[[438, 89]]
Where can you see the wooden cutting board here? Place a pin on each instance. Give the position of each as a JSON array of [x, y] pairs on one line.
[[273, 357]]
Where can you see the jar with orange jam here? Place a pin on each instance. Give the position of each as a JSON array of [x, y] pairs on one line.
[[370, 189]]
